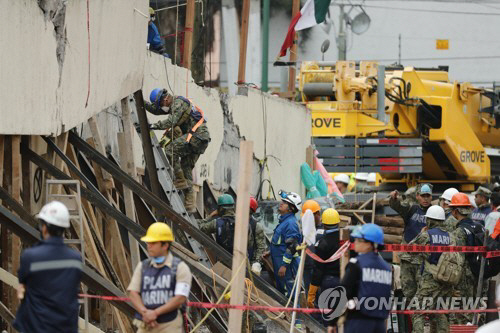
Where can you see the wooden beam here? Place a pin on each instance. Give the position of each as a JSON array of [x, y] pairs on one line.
[[16, 194], [245, 12], [26, 172], [374, 206], [241, 234], [293, 52], [129, 197], [107, 178], [188, 34]]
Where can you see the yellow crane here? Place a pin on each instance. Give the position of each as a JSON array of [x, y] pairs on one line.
[[415, 126]]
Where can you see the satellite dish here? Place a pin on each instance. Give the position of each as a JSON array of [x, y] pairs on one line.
[[360, 23], [325, 46]]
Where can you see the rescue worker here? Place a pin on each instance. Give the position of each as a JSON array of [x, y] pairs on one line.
[[428, 287], [223, 227], [342, 181], [367, 276], [191, 137], [444, 201], [462, 208], [160, 285], [414, 220], [315, 208], [286, 238], [494, 216], [361, 178], [326, 275], [372, 179], [154, 39], [482, 199], [49, 278]]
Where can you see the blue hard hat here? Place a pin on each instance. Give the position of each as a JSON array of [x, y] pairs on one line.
[[370, 232], [156, 95], [425, 189]]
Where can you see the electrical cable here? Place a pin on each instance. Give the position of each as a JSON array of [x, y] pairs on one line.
[[434, 11]]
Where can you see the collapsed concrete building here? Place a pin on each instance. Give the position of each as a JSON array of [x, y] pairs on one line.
[[72, 75]]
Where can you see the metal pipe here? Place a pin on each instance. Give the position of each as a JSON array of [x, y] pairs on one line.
[[381, 93]]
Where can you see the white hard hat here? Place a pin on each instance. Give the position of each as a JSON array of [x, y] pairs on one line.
[[361, 176], [448, 194], [436, 212], [55, 213], [372, 177], [291, 198], [342, 178]]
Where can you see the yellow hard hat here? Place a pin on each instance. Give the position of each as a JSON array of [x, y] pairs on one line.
[[330, 217], [313, 205], [151, 11], [158, 232]]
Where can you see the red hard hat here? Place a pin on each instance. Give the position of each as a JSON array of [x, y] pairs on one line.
[[253, 204], [460, 200]]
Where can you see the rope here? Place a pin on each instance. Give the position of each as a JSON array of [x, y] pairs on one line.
[[221, 297]]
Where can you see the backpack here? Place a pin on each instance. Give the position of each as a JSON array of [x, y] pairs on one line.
[[449, 268], [475, 237], [224, 234]]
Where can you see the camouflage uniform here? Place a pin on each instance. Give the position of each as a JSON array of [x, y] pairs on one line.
[[410, 263], [467, 285], [208, 226], [429, 288], [450, 224], [182, 154]]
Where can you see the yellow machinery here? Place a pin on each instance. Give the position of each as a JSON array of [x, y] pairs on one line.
[[424, 128]]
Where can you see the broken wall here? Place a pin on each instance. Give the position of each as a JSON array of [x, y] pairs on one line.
[[280, 129], [45, 86]]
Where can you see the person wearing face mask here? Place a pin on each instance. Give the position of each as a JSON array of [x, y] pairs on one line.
[[49, 277], [185, 123], [413, 215], [160, 285]]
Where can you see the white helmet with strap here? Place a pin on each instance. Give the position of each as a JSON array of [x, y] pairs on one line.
[[291, 198]]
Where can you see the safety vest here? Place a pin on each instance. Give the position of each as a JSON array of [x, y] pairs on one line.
[[158, 287], [376, 282], [197, 114], [414, 223], [437, 237]]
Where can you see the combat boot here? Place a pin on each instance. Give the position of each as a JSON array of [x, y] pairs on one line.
[[180, 181], [190, 201]]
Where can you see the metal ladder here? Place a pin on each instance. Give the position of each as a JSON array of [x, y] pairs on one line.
[[74, 204]]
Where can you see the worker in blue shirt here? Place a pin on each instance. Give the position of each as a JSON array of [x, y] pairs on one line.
[[49, 278], [285, 239], [154, 39], [367, 277]]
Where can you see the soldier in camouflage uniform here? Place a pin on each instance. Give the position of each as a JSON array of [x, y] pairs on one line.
[[219, 223], [186, 126], [444, 201], [467, 285], [413, 215], [428, 287]]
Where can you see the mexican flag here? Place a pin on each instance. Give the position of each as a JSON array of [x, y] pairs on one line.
[[313, 13]]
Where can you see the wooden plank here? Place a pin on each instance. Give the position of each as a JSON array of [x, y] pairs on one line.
[[245, 12], [374, 206], [98, 144], [241, 234], [129, 200], [16, 194], [188, 34], [310, 157], [26, 172]]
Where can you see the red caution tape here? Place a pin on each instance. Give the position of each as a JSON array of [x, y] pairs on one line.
[[435, 248], [339, 253], [205, 305]]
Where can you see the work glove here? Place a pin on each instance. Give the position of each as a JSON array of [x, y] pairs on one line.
[[311, 295], [256, 268]]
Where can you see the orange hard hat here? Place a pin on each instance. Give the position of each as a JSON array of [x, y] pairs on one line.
[[460, 200], [313, 205]]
